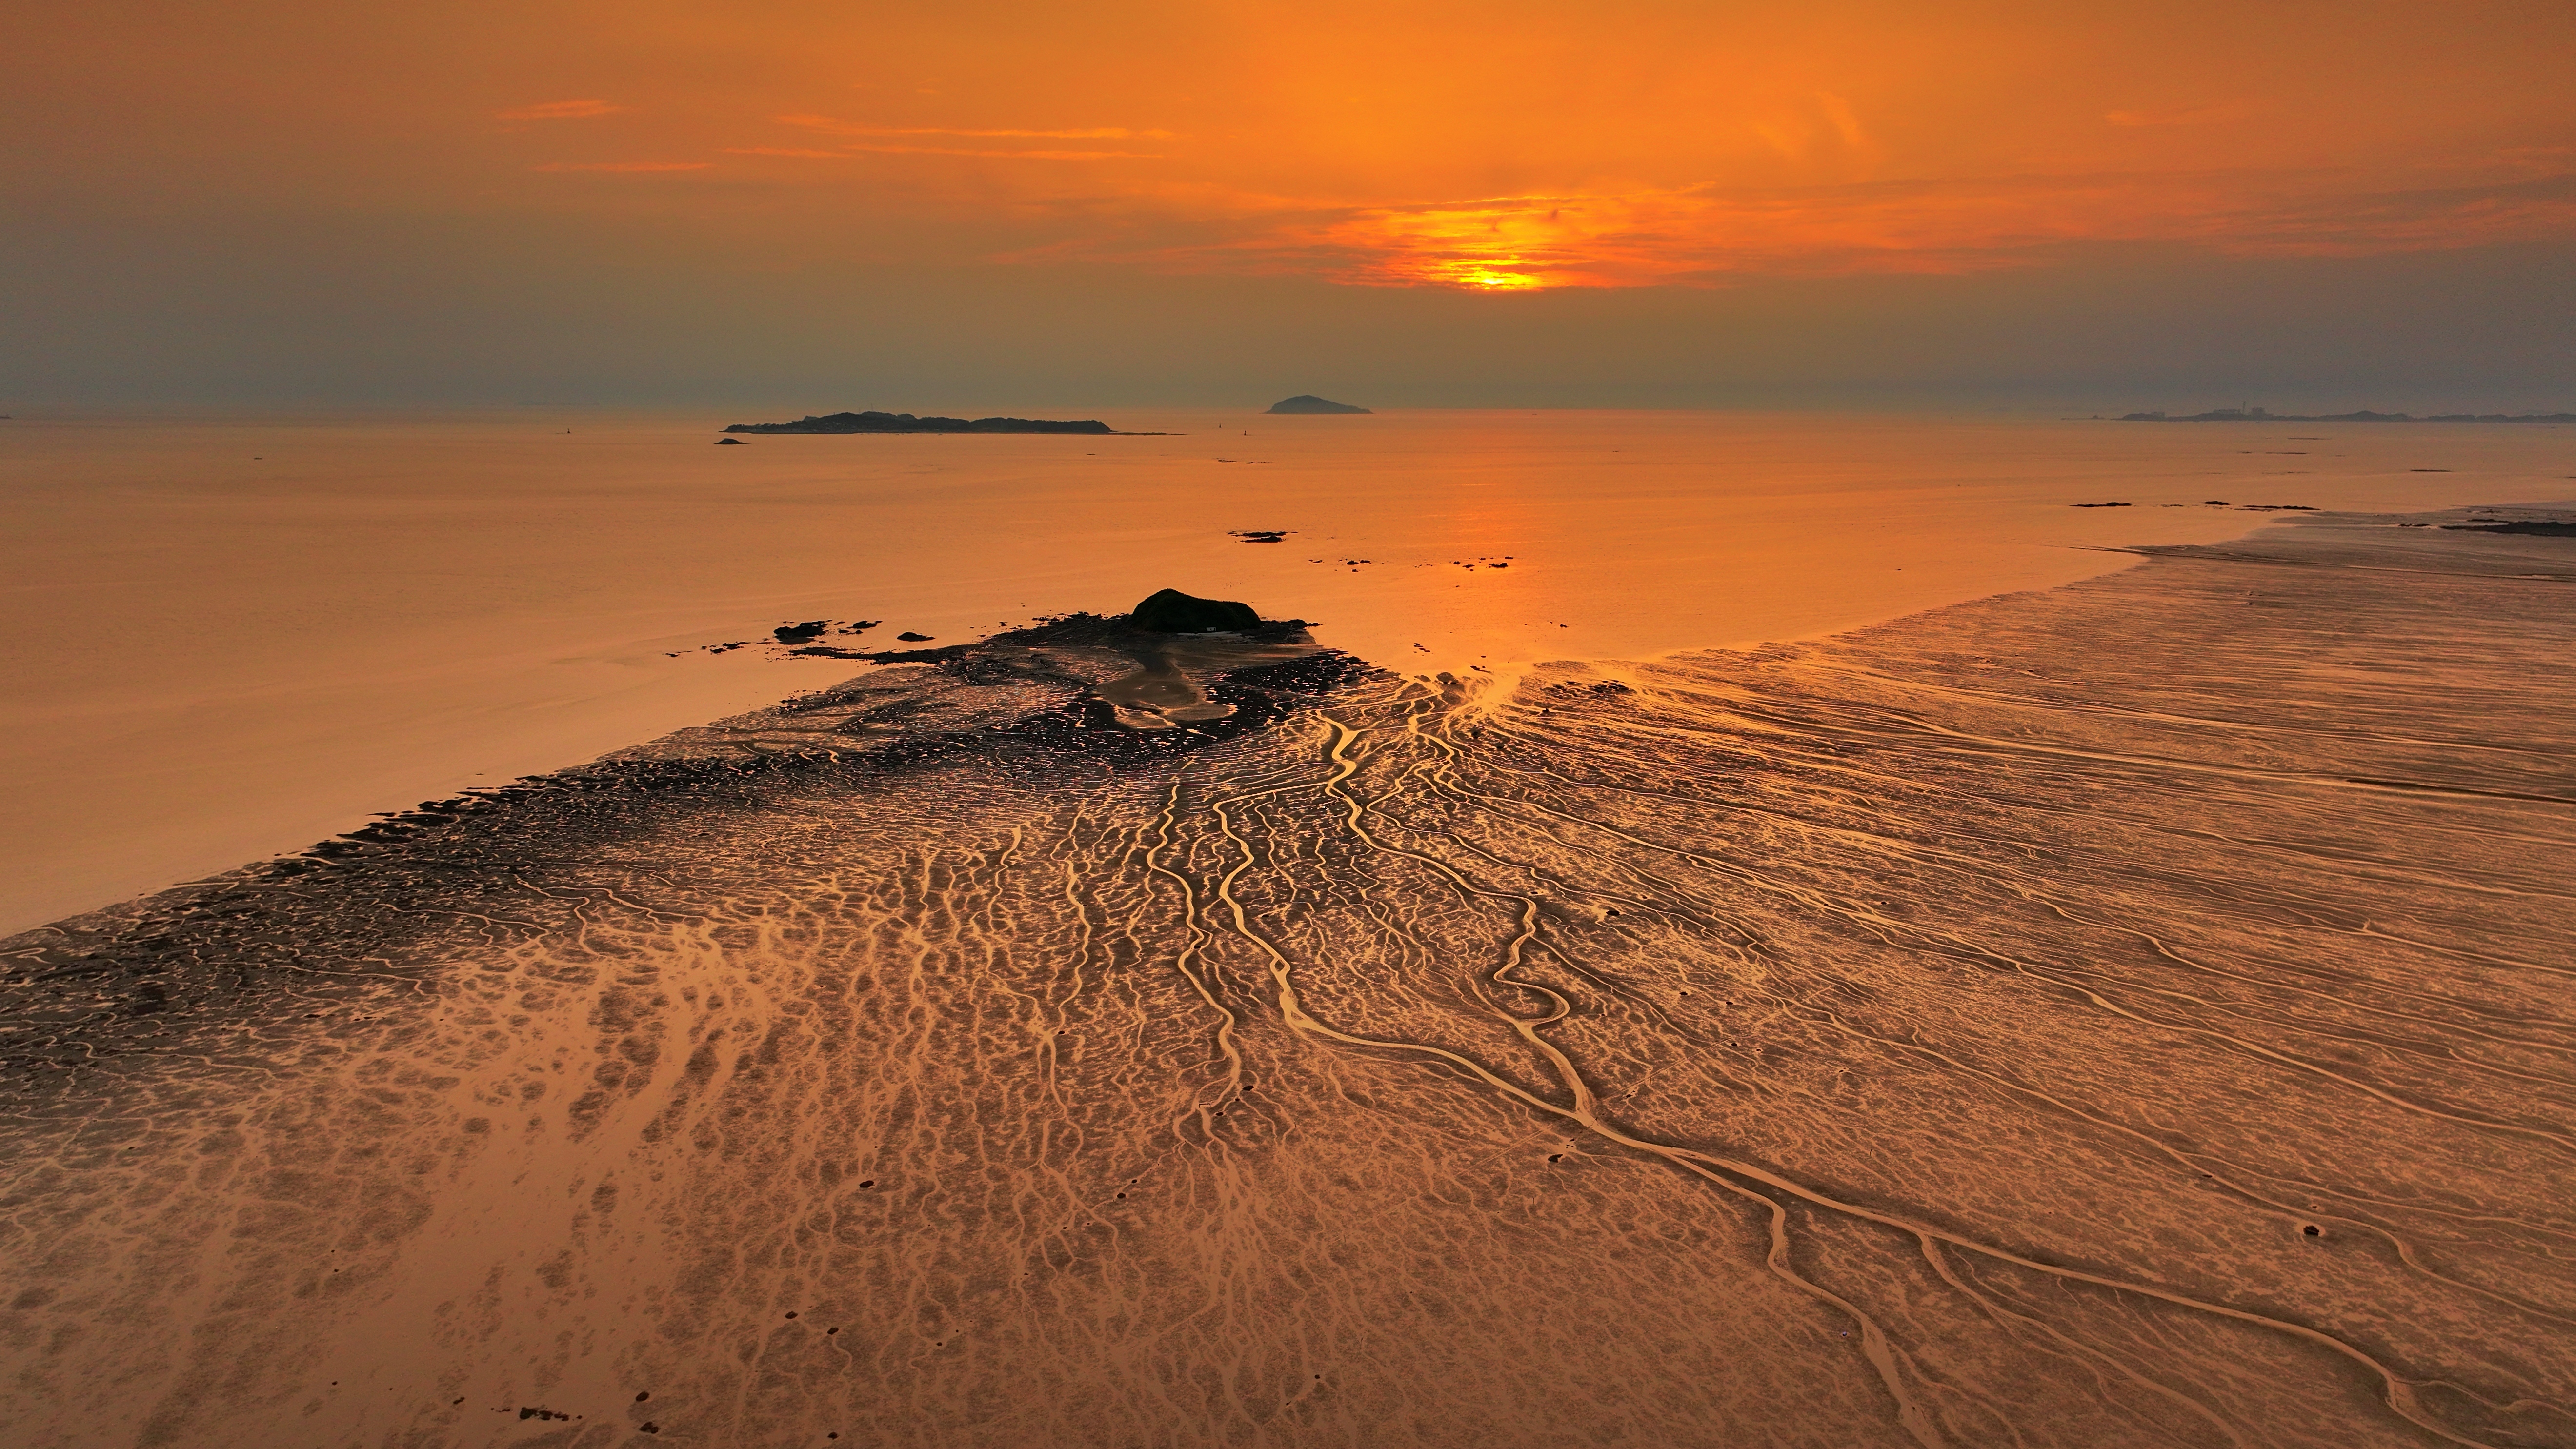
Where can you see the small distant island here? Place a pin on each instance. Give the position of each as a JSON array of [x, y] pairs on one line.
[[1307, 402], [2257, 415], [875, 422]]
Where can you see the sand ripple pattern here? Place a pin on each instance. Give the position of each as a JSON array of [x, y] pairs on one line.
[[2137, 1014]]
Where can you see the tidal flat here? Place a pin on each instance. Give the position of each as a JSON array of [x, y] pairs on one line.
[[2133, 1012]]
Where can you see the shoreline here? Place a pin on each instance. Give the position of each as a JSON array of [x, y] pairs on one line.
[[1074, 652], [1883, 930]]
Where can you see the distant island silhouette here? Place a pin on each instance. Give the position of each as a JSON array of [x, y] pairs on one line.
[[876, 422], [2257, 415], [1307, 402]]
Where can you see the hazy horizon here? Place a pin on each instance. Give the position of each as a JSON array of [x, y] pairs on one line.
[[2412, 334]]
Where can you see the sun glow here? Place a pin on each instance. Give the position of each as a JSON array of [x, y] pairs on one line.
[[1680, 147], [1490, 148], [1516, 245]]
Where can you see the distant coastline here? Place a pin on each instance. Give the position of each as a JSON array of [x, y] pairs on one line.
[[2257, 415], [876, 422]]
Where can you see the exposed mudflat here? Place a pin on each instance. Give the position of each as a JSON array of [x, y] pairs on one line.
[[2136, 1013]]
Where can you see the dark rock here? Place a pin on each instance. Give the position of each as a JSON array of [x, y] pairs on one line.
[[728, 442], [909, 637], [1307, 402], [804, 633], [1169, 611]]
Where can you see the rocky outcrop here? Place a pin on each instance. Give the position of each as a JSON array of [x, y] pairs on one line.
[[1169, 611]]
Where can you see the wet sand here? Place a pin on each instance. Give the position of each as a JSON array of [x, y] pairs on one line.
[[2128, 1013]]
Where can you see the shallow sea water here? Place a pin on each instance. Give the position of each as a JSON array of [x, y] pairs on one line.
[[228, 637], [2128, 1012]]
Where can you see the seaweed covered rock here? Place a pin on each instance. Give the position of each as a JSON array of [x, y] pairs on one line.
[[1169, 611]]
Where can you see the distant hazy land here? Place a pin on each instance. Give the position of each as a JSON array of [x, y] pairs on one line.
[[1307, 402], [2257, 415]]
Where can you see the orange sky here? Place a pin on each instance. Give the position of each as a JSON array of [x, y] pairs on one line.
[[1497, 146]]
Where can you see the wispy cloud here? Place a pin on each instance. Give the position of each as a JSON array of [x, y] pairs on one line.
[[623, 166], [1094, 133], [559, 111], [2191, 116], [840, 127], [893, 147], [1005, 155]]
